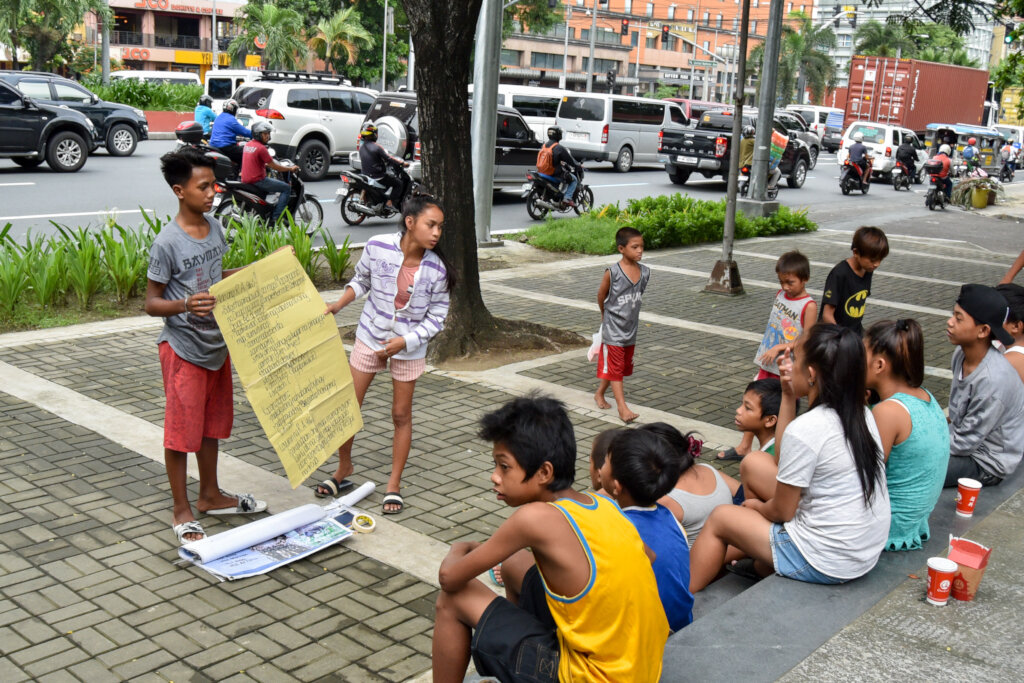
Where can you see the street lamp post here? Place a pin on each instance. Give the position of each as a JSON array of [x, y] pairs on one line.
[[593, 35], [216, 55]]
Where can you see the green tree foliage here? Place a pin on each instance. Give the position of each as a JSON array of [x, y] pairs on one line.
[[281, 28], [42, 27], [534, 16], [803, 60], [927, 42], [339, 39], [367, 66], [883, 40], [84, 57]]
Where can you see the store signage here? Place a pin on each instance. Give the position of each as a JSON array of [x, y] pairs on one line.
[[175, 7], [136, 53]]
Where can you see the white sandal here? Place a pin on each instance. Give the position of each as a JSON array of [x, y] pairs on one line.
[[193, 527]]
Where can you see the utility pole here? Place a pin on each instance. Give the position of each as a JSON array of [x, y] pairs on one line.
[[725, 276], [216, 52], [565, 49], [384, 62], [486, 62], [766, 102], [410, 77], [593, 36], [105, 54]]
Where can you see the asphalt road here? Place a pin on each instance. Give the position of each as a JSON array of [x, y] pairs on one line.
[[30, 199]]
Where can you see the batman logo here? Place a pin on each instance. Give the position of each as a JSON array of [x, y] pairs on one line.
[[856, 304]]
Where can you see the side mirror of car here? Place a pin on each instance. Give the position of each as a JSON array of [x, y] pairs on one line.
[[94, 99], [27, 103], [792, 135]]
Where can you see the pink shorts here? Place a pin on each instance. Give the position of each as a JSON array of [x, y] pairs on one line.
[[764, 374], [200, 404], [364, 359], [615, 362]]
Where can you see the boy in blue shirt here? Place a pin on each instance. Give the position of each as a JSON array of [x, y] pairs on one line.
[[640, 469], [204, 114]]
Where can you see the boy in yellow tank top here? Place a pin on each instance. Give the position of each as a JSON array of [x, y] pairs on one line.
[[583, 606]]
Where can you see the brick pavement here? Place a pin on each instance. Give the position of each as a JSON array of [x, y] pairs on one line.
[[89, 588]]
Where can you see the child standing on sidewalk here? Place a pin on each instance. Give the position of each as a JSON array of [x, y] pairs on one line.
[[407, 282], [792, 311], [184, 262], [848, 285], [618, 297]]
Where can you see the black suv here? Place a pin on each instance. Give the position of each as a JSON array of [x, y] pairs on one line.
[[118, 126], [31, 133], [397, 121]]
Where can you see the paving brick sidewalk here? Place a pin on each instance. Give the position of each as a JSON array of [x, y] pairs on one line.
[[89, 588]]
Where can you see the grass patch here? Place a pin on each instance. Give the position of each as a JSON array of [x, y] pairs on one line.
[[667, 221]]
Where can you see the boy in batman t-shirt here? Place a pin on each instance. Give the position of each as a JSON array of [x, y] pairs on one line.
[[848, 285]]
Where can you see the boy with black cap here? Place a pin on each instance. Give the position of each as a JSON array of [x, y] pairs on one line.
[[986, 399]]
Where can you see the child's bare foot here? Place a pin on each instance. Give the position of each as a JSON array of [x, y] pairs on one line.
[[627, 415], [205, 505], [601, 403]]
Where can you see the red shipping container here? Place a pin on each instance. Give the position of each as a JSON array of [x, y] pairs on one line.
[[912, 94]]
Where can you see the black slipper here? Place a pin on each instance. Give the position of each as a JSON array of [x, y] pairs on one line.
[[744, 568], [730, 454], [333, 486], [392, 498]]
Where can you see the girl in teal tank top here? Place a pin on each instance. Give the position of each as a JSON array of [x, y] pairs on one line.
[[912, 426]]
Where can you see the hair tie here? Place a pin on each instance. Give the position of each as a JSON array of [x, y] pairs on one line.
[[696, 446], [902, 325]]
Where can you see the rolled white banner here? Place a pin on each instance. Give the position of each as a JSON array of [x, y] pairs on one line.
[[362, 492], [248, 535]]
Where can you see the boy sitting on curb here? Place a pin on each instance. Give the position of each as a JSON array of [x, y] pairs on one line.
[[583, 606]]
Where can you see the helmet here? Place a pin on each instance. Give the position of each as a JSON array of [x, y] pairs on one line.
[[369, 132], [944, 149], [205, 101], [858, 137], [261, 127], [971, 141], [554, 133], [230, 106], [748, 131]]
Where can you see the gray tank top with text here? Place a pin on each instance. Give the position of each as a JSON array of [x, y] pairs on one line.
[[622, 306]]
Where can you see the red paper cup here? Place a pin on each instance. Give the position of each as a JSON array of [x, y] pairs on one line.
[[966, 496], [940, 580]]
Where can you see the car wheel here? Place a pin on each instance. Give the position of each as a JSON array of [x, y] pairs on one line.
[[27, 162], [349, 214], [536, 211], [121, 140], [798, 176], [314, 160], [309, 212], [679, 177], [919, 178], [624, 161], [584, 201], [66, 152], [814, 158]]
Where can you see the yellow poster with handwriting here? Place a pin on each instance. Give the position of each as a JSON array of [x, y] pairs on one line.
[[289, 357]]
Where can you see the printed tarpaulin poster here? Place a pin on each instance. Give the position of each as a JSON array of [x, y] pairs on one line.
[[290, 359], [776, 148]]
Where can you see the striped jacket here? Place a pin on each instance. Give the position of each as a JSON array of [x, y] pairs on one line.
[[420, 319]]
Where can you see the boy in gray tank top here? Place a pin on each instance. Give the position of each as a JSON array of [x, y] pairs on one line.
[[618, 297]]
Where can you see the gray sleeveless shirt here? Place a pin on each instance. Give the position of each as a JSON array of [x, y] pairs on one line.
[[622, 306]]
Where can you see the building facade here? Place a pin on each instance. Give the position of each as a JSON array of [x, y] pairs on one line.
[[698, 54]]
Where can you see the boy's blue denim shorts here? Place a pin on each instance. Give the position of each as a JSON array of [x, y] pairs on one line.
[[789, 562]]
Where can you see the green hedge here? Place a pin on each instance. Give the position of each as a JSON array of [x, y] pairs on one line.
[[146, 95], [667, 221]]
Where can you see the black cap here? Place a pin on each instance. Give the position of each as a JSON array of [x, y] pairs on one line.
[[987, 307]]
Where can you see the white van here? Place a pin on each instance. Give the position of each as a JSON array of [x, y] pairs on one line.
[[175, 77], [616, 128], [882, 139], [815, 116], [538, 106], [221, 83]]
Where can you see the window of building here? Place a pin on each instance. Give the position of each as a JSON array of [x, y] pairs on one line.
[[511, 57], [844, 40], [707, 46], [707, 18], [671, 11], [753, 27], [754, 3], [545, 60], [789, 8], [718, 21], [735, 23], [601, 65], [628, 7], [650, 9], [651, 43], [689, 15]]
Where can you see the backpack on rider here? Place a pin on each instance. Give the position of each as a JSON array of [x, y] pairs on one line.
[[546, 160]]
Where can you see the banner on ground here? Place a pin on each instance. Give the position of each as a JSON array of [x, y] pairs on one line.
[[291, 362]]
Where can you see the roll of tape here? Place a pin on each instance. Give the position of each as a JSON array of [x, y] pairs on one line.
[[364, 524]]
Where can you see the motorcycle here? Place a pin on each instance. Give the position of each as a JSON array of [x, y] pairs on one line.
[[900, 178], [936, 196], [361, 196], [235, 198], [544, 195], [1006, 173], [852, 178], [190, 134], [770, 193]]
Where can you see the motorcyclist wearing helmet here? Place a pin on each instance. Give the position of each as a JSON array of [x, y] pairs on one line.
[[255, 160], [747, 156], [204, 114], [859, 154], [907, 155], [225, 131], [1008, 155], [375, 161], [971, 154], [562, 166], [943, 158]]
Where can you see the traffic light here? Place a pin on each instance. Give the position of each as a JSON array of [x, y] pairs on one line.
[[610, 76], [664, 35], [853, 19], [1008, 35], [625, 27], [552, 4], [836, 11]]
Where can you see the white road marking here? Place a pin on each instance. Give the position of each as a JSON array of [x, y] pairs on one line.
[[621, 185], [69, 215], [15, 184]]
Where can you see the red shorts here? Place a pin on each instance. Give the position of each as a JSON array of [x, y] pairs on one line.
[[200, 403], [764, 374], [614, 362]]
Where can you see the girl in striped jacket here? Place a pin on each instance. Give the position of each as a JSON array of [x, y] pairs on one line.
[[407, 282]]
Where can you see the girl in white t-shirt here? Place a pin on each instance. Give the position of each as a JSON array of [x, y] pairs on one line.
[[831, 477]]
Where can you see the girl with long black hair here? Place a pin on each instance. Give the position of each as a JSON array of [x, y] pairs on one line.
[[828, 519]]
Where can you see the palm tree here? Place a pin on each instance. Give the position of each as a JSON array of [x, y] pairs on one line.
[[957, 57], [805, 48], [337, 40], [883, 40], [281, 29]]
